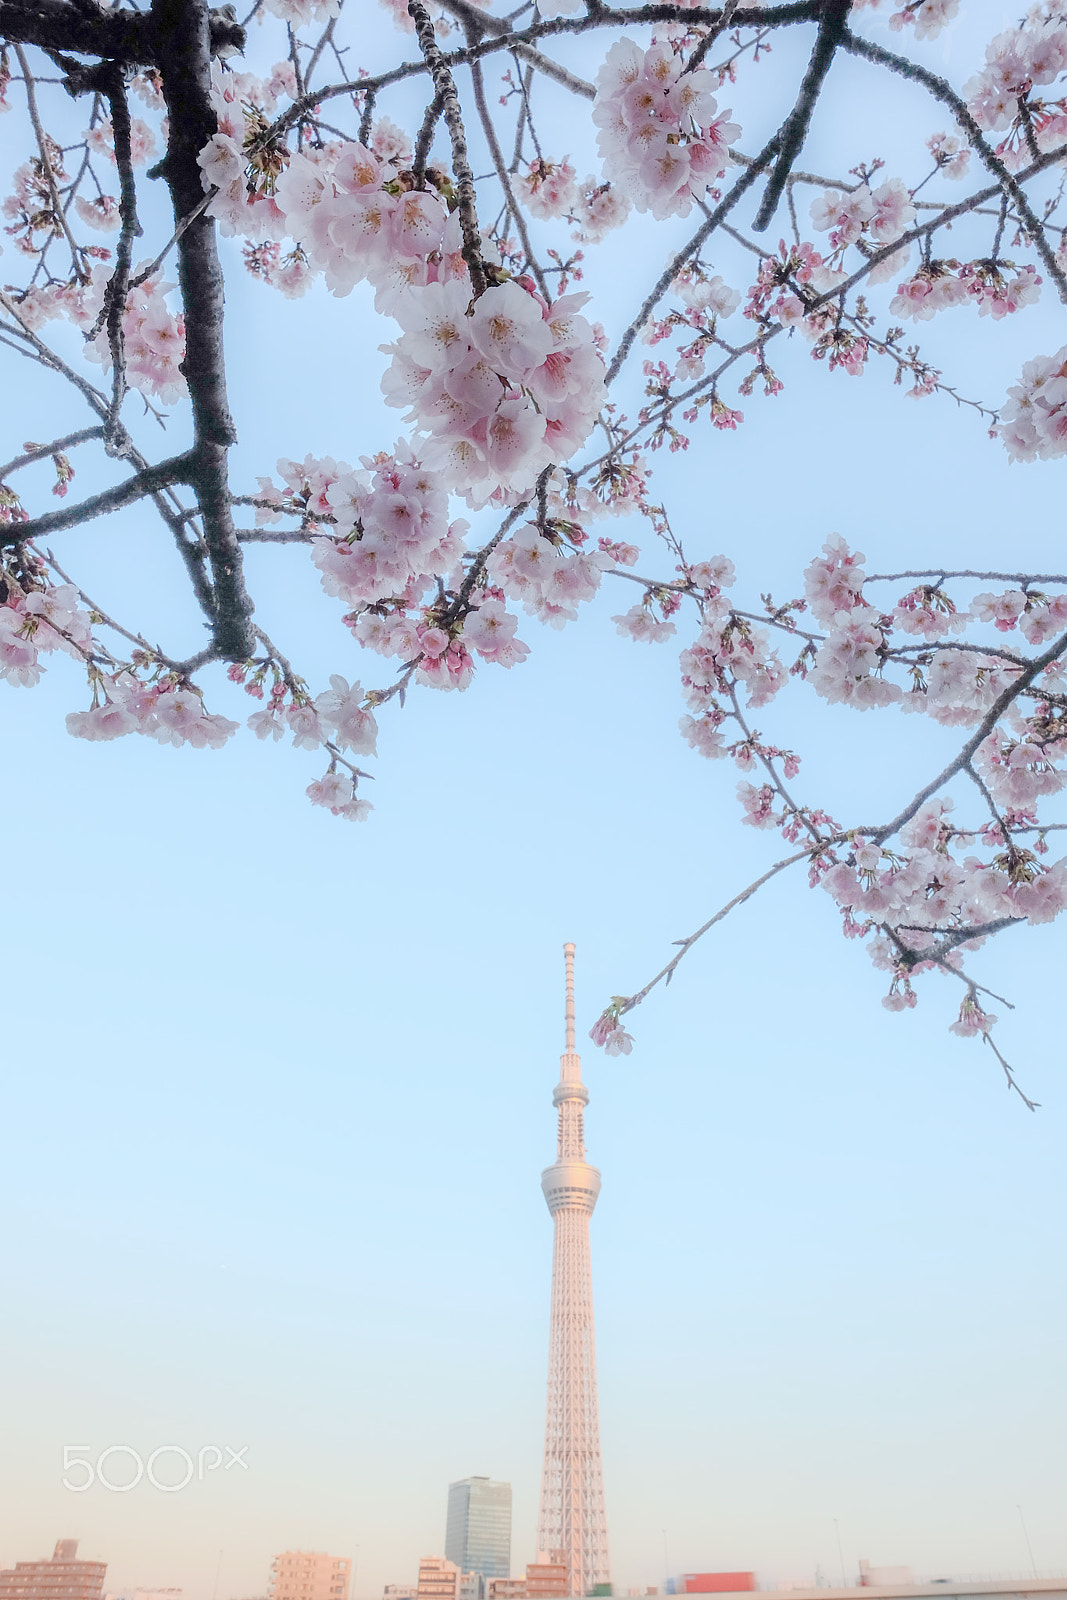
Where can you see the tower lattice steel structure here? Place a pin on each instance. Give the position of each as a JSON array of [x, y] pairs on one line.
[[572, 1515]]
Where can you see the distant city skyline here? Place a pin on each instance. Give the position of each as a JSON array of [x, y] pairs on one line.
[[316, 1575]]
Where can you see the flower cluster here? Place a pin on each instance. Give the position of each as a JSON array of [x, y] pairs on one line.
[[922, 895], [153, 335], [706, 300], [101, 140], [1018, 61], [1033, 423], [549, 189], [391, 533], [36, 622], [881, 214], [499, 390], [997, 288], [353, 220], [166, 711], [662, 138], [550, 579]]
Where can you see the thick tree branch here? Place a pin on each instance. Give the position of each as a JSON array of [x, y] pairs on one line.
[[184, 40], [148, 481], [794, 129], [120, 35], [445, 87], [115, 441]]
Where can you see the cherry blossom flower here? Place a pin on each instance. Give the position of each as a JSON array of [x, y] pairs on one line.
[[340, 709]]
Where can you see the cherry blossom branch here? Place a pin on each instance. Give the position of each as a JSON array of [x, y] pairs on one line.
[[47, 357], [1032, 1105], [154, 265], [445, 87], [791, 135], [325, 40], [149, 481], [481, 22], [976, 778], [777, 783], [181, 668], [274, 536], [671, 271], [985, 727], [812, 305], [666, 973], [184, 37], [520, 44], [425, 137], [58, 213], [945, 217], [43, 451], [504, 176], [942, 574], [943, 92], [477, 565], [116, 440], [192, 551], [714, 33]]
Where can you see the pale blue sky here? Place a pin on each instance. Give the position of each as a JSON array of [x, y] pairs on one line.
[[279, 1089]]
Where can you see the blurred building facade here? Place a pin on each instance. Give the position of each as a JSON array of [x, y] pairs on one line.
[[309, 1575], [61, 1577], [439, 1579]]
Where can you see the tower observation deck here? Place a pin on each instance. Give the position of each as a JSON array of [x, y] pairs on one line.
[[572, 1517]]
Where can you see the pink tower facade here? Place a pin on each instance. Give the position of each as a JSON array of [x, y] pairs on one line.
[[572, 1517]]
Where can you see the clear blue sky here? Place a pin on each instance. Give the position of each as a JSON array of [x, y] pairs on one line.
[[278, 1089]]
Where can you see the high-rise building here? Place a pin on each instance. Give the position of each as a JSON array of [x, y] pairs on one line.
[[478, 1529], [572, 1520], [309, 1575], [63, 1577]]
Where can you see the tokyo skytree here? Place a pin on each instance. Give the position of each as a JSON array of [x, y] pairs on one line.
[[572, 1516]]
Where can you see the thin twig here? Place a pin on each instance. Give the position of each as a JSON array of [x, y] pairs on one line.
[[78, 264], [43, 451], [187, 221], [503, 174]]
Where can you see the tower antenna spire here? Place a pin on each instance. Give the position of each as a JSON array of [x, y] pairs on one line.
[[572, 1526], [568, 956]]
